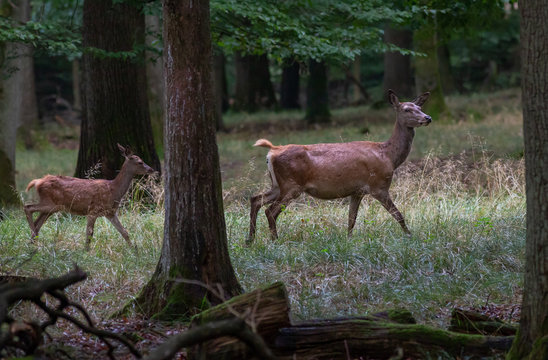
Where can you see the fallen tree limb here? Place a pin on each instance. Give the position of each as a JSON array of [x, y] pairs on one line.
[[232, 327], [472, 322], [12, 331], [378, 336]]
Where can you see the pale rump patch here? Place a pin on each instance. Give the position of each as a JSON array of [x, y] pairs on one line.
[[271, 171]]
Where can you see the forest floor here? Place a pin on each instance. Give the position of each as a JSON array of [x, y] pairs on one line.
[[461, 191]]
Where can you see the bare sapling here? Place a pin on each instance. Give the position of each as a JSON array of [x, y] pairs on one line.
[[88, 197], [338, 170]]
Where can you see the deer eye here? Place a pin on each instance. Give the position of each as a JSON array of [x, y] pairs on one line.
[[408, 110]]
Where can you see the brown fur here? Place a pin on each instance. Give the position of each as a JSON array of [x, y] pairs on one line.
[[331, 171], [91, 198]]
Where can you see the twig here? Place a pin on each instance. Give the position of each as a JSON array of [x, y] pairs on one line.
[[233, 327]]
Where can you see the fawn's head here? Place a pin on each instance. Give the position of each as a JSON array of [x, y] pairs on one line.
[[133, 163], [409, 113]]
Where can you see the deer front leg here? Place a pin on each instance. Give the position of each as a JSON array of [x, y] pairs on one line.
[[89, 230], [118, 225], [355, 201], [386, 201], [257, 202]]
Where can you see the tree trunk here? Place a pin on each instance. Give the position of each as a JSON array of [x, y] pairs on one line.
[[155, 77], [253, 89], [427, 74], [195, 244], [115, 99], [220, 88], [446, 75], [290, 87], [17, 100], [397, 67], [532, 338], [317, 105]]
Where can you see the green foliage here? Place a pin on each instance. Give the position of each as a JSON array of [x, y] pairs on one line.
[[322, 30]]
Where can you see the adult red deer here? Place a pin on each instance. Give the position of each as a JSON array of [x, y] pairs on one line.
[[90, 198], [331, 171]]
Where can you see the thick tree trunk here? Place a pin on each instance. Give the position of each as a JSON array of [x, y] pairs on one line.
[[290, 87], [397, 67], [17, 100], [427, 74], [115, 99], [220, 87], [532, 338], [155, 78], [317, 104], [195, 244], [253, 89]]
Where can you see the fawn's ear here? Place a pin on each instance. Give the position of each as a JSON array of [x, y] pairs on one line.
[[123, 150], [421, 99], [393, 98]]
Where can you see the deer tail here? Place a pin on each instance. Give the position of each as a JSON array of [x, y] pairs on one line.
[[33, 183], [265, 143]]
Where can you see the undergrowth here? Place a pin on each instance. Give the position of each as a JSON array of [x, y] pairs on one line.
[[461, 192]]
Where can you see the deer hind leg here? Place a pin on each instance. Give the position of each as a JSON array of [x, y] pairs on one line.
[[45, 211], [386, 201], [89, 230], [355, 201], [40, 220], [118, 225], [274, 210], [257, 202]]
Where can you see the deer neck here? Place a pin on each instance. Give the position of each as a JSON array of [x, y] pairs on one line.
[[397, 148], [120, 184]]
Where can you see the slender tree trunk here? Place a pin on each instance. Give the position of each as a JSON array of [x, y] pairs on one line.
[[155, 78], [532, 339], [317, 105], [220, 87], [427, 73], [253, 90], [397, 67], [290, 88], [195, 244], [115, 99], [446, 76]]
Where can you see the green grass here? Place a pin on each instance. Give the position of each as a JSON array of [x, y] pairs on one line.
[[461, 192]]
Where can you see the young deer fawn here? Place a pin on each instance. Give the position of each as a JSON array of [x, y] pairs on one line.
[[331, 171], [90, 198]]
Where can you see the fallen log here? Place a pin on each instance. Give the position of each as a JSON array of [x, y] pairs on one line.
[[378, 336], [471, 322]]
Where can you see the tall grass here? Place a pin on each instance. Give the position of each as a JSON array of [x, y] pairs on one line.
[[461, 192]]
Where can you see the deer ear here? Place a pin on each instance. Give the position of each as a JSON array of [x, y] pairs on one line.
[[421, 99], [123, 150], [392, 98]]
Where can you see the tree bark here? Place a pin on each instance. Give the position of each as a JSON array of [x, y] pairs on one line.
[[155, 78], [427, 74], [220, 87], [532, 338], [290, 87], [317, 104], [378, 336], [397, 67], [253, 89], [195, 244], [18, 106], [115, 99]]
